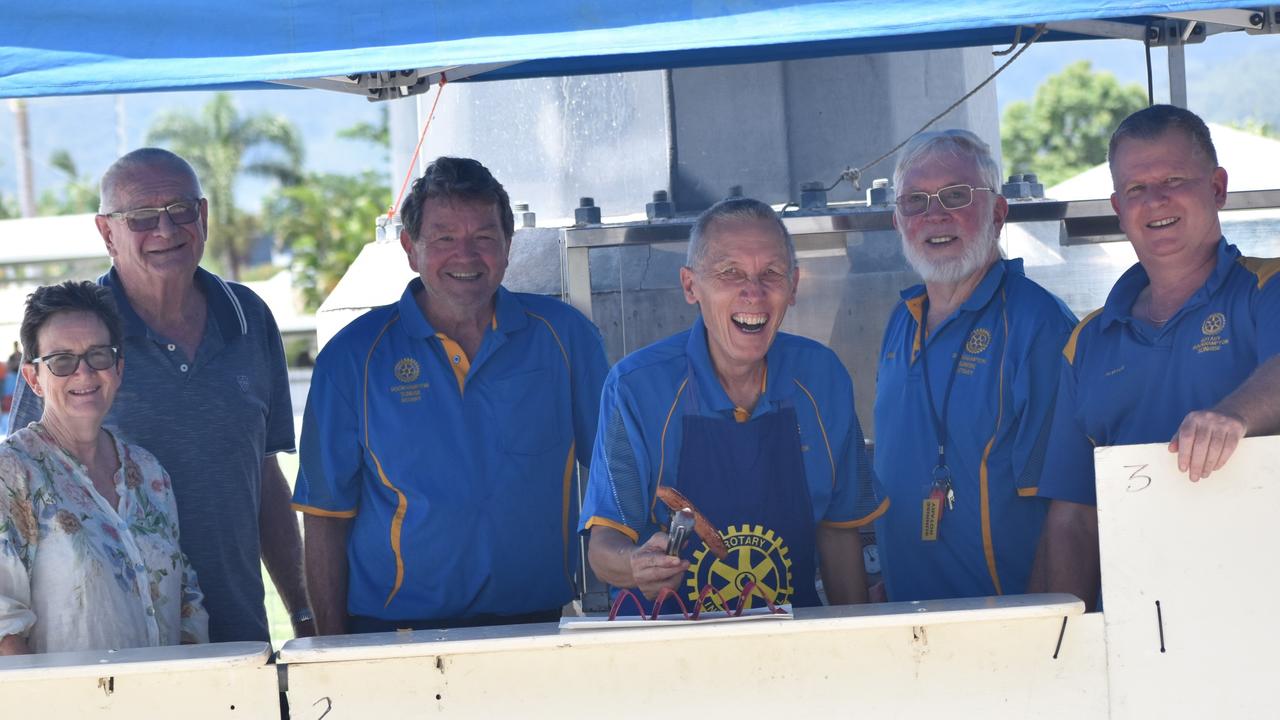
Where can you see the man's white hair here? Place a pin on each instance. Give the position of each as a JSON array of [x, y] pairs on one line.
[[148, 159], [961, 143]]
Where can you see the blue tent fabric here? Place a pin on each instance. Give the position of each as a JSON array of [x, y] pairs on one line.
[[65, 47]]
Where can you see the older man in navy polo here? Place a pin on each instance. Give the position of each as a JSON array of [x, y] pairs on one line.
[[207, 392]]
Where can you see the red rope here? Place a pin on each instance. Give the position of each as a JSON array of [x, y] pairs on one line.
[[413, 162]]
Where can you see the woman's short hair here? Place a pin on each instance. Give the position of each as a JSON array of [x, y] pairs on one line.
[[454, 178], [65, 297]]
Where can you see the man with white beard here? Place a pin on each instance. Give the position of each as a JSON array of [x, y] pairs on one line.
[[968, 375]]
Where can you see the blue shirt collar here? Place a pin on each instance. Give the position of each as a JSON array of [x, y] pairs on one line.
[[224, 307], [778, 384], [1119, 305], [508, 310]]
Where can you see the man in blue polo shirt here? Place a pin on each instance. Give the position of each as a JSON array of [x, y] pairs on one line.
[[441, 432], [1183, 351], [753, 426], [207, 392], [964, 395]]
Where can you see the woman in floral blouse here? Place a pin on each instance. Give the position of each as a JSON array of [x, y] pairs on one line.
[[89, 555]]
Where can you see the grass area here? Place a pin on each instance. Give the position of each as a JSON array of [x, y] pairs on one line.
[[277, 616]]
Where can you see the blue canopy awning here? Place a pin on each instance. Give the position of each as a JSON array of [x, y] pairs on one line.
[[68, 47]]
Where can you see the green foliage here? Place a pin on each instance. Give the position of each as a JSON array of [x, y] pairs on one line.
[[221, 144], [1066, 127], [77, 195], [1255, 126], [325, 221], [379, 134]]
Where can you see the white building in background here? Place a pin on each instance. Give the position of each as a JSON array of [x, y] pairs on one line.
[[41, 250], [1082, 275]]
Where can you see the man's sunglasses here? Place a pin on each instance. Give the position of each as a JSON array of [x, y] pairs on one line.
[[64, 364], [183, 212], [952, 197]]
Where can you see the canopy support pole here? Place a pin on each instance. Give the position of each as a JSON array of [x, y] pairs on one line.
[[1177, 75]]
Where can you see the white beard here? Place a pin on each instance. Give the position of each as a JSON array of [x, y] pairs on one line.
[[975, 257]]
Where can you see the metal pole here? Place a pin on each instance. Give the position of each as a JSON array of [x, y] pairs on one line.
[[1177, 75]]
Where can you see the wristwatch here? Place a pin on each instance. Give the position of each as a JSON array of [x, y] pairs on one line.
[[302, 615]]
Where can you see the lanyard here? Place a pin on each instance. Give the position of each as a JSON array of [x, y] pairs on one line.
[[940, 421]]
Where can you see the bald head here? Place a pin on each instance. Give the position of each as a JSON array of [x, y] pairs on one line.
[[138, 164]]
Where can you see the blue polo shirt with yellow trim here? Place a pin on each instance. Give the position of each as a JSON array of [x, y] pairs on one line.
[[639, 439], [1004, 343], [458, 472], [1126, 382]]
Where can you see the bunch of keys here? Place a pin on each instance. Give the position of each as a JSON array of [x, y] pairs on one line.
[[940, 491], [680, 529]]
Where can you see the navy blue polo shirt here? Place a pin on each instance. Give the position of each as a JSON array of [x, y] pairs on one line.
[[210, 422], [1003, 345], [458, 472], [1126, 382]]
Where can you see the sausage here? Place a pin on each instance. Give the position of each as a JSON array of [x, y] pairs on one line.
[[703, 527]]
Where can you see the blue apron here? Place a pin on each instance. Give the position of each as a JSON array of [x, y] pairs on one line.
[[749, 480]]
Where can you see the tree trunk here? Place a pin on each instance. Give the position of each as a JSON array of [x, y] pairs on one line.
[[22, 149]]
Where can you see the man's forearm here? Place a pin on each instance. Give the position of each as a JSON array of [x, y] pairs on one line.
[[1067, 557], [1257, 400], [327, 571], [609, 554], [843, 576], [280, 539]]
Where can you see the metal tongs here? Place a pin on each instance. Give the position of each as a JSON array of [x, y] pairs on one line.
[[681, 528]]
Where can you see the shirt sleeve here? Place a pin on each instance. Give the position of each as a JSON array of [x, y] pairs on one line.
[[1267, 312], [855, 500], [1035, 393], [18, 539], [1068, 467], [589, 366], [331, 457], [280, 435], [619, 486]]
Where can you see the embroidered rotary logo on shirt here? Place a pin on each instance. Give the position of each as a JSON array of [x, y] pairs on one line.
[[1213, 324], [407, 370], [978, 341], [755, 555], [1212, 328]]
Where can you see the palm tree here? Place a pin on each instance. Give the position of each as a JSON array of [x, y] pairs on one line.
[[217, 143]]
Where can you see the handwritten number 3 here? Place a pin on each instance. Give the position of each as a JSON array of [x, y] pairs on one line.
[[1137, 483]]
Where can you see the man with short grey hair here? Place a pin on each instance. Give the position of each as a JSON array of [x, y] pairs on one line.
[[207, 392], [967, 378], [755, 426]]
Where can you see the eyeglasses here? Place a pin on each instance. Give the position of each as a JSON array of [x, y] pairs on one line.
[[64, 364], [952, 197], [183, 212]]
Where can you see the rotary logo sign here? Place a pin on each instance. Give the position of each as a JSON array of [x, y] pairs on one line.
[[755, 555], [978, 341]]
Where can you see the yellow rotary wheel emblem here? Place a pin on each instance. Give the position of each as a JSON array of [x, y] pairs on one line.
[[978, 341], [407, 370], [755, 554], [1214, 324]]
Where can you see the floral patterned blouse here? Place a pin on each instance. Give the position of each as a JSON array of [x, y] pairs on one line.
[[78, 574]]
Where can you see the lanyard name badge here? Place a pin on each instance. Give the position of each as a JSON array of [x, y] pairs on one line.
[[939, 492]]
